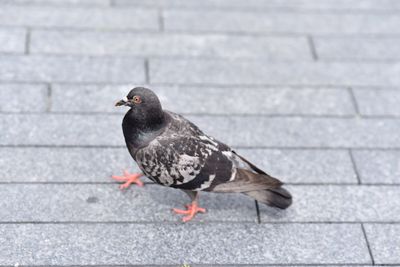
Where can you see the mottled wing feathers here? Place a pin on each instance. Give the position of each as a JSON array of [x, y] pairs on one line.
[[184, 157], [246, 181]]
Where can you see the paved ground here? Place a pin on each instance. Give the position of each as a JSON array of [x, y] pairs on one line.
[[308, 90]]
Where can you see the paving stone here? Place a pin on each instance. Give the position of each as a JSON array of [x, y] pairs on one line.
[[210, 100], [297, 4], [252, 131], [217, 243], [23, 98], [384, 240], [70, 69], [304, 166], [266, 265], [106, 203], [12, 40], [378, 167], [338, 203], [82, 165], [181, 45], [231, 72], [374, 102], [63, 164], [382, 48], [281, 22], [79, 17], [58, 2]]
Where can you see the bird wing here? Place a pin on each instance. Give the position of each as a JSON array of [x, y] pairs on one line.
[[246, 177], [185, 162], [186, 158]]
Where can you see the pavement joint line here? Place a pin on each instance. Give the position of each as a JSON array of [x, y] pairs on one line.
[[313, 49], [212, 58], [258, 211], [146, 70], [161, 20], [217, 33], [49, 98], [248, 86], [259, 9], [368, 244], [151, 183], [238, 115], [172, 57], [203, 32], [27, 41], [178, 222], [353, 163], [295, 115], [82, 29], [57, 146], [207, 265], [11, 53], [330, 35], [282, 9], [285, 33], [354, 101], [266, 115], [283, 264], [222, 9]]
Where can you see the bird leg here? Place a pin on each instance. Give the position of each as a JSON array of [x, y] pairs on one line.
[[192, 209], [128, 178]]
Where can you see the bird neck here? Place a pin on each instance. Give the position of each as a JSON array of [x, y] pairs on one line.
[[139, 130]]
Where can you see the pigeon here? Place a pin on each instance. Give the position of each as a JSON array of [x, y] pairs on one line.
[[172, 151]]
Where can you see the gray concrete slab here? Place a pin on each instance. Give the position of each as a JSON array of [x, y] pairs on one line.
[[257, 4], [174, 45], [60, 165], [95, 130], [71, 69], [23, 98], [304, 166], [338, 203], [58, 2], [384, 242], [230, 72], [373, 102], [378, 167], [78, 17], [229, 101], [216, 243], [357, 48], [12, 40], [82, 165], [281, 22], [152, 203], [106, 203]]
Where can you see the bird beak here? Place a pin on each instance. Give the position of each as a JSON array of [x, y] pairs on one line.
[[121, 103]]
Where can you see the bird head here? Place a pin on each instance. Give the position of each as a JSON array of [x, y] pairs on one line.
[[145, 107]]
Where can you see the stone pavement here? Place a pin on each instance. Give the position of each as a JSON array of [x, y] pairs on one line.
[[307, 89]]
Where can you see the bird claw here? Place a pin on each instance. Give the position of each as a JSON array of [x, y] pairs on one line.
[[129, 179], [192, 210]]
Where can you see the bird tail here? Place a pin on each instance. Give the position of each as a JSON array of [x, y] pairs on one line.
[[276, 197]]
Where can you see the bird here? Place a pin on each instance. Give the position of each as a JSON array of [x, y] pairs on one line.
[[172, 151]]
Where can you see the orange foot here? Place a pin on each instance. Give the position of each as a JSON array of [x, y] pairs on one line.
[[129, 179], [191, 211]]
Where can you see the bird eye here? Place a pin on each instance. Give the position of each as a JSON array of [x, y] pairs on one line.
[[136, 99]]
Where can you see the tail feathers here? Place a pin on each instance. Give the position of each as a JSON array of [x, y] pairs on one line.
[[277, 197]]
